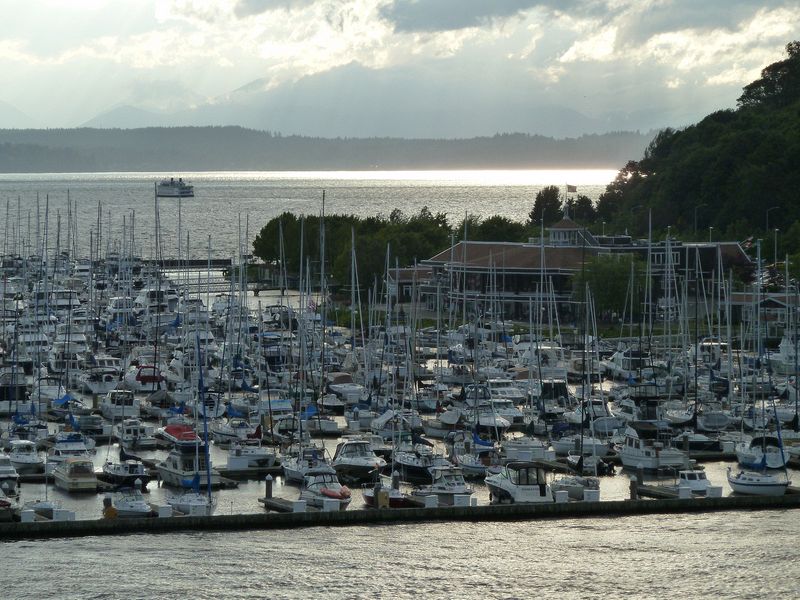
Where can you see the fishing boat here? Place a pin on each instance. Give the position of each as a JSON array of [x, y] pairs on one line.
[[519, 482], [170, 188]]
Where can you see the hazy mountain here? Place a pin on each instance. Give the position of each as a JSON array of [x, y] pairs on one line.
[[127, 117], [12, 117], [354, 101]]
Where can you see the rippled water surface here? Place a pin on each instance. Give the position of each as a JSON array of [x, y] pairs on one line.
[[221, 199], [723, 555]]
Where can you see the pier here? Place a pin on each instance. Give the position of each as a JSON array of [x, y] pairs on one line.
[[287, 520]]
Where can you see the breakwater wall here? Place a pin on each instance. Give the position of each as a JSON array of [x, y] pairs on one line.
[[510, 512]]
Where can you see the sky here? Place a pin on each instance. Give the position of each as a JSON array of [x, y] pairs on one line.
[[414, 68]]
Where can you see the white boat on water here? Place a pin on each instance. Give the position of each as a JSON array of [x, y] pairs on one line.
[[170, 188], [25, 457], [9, 478], [193, 503], [321, 483], [519, 482], [752, 483], [129, 502], [76, 475], [448, 481]]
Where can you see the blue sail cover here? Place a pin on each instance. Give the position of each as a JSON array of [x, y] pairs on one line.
[[193, 483], [63, 400], [232, 412], [309, 412], [246, 387], [19, 419], [481, 442]]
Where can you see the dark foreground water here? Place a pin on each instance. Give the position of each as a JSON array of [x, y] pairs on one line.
[[719, 555]]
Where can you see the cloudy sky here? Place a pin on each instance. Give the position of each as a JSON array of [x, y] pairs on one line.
[[452, 68]]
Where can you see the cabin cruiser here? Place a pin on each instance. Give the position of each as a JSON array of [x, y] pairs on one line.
[[9, 478], [448, 481], [519, 482], [133, 434], [119, 404], [75, 475], [643, 448], [575, 485], [126, 472], [185, 461], [69, 444], [250, 456], [25, 457], [354, 460], [296, 467], [129, 502]]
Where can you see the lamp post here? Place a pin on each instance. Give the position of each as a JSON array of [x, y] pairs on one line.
[[604, 228], [769, 210], [775, 249], [695, 216], [710, 229]]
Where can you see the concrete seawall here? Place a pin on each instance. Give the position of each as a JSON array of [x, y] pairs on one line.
[[511, 512]]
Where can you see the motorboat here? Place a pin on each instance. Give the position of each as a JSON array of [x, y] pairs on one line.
[[69, 444], [575, 485], [695, 479], [119, 404], [179, 434], [642, 448], [135, 435], [231, 430], [171, 188], [75, 475], [129, 502], [447, 482], [126, 472], [250, 456], [519, 482], [591, 445], [25, 457], [754, 483], [9, 478], [295, 467], [355, 462], [193, 503], [321, 483], [386, 493], [184, 463]]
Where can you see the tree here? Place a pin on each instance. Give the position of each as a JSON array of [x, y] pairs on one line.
[[608, 276], [779, 84], [581, 209], [546, 206], [499, 229]]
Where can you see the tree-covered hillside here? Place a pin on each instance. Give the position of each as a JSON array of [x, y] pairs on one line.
[[736, 171]]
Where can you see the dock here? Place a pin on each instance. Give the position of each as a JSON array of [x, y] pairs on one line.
[[398, 516]]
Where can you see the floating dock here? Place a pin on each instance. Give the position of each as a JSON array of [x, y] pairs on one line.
[[397, 516]]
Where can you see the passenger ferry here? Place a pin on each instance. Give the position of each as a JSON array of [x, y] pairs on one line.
[[174, 189]]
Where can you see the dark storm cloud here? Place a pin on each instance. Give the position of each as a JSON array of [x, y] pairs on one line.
[[246, 8], [446, 15]]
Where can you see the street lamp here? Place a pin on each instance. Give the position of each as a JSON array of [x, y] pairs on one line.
[[775, 249], [710, 229], [604, 228], [695, 216], [770, 209]]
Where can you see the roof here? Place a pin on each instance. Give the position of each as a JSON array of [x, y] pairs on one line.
[[515, 256], [565, 223]]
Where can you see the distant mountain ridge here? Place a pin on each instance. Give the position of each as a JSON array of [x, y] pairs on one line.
[[237, 148]]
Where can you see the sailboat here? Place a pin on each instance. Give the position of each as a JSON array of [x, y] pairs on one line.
[[193, 502]]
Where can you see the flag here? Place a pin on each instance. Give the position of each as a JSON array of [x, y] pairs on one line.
[[571, 188]]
